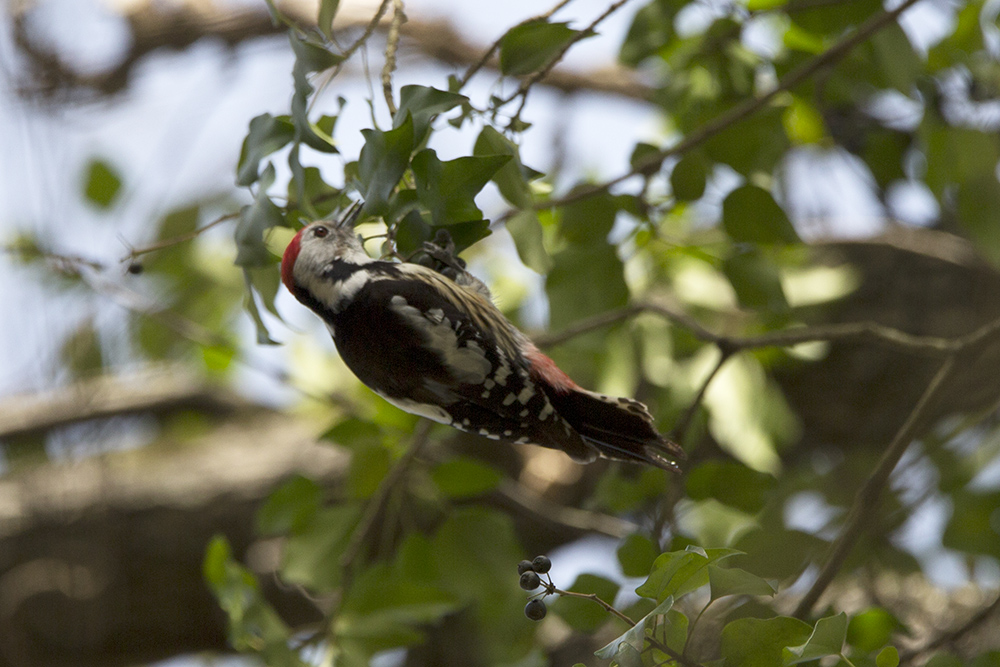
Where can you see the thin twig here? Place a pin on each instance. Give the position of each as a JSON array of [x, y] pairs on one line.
[[951, 636], [369, 29], [551, 589], [868, 496], [680, 428], [177, 240], [391, 47], [743, 110], [522, 90], [485, 59], [385, 488]]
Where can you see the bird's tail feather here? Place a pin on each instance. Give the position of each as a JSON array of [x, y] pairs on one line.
[[620, 428]]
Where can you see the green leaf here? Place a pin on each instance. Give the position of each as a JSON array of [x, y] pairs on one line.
[[102, 183], [422, 104], [753, 642], [896, 59], [636, 555], [688, 178], [509, 179], [312, 554], [588, 221], [267, 134], [871, 629], [826, 639], [750, 215], [369, 466], [586, 615], [974, 526], [526, 231], [529, 47], [254, 220], [888, 657], [463, 477], [381, 164], [327, 11], [309, 57], [352, 433], [755, 279], [754, 145], [584, 281], [635, 638], [646, 159], [978, 201], [383, 609], [448, 189], [290, 507], [676, 573], [725, 581], [651, 31], [731, 483]]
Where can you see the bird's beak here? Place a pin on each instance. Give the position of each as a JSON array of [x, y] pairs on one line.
[[352, 213]]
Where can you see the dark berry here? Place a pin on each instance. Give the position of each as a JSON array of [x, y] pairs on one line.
[[524, 566], [541, 564], [535, 610], [135, 268], [530, 581]]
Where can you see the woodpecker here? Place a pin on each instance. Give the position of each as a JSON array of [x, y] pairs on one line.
[[438, 347]]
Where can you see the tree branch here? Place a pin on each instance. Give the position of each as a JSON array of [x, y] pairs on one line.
[[951, 636], [743, 110], [868, 496]]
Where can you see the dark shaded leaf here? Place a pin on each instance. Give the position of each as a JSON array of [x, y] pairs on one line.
[[756, 280], [636, 555], [750, 215], [464, 477], [731, 483], [752, 642], [529, 47], [267, 134], [688, 178], [448, 189], [422, 104], [290, 507], [510, 179], [383, 160]]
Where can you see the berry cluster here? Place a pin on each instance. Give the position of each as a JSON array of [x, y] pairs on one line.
[[530, 580]]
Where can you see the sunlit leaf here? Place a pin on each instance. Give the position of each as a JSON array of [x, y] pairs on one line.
[[101, 183], [827, 639], [526, 231], [871, 629], [725, 581]]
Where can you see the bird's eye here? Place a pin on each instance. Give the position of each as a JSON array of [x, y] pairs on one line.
[[320, 232]]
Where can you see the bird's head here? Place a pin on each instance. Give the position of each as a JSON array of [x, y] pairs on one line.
[[320, 245]]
